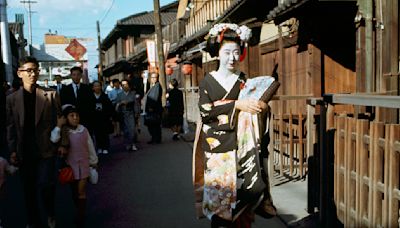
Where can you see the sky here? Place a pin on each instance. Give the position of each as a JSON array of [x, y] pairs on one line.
[[77, 18]]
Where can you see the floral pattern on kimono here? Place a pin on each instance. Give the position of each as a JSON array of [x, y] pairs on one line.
[[232, 173], [219, 145], [220, 184]]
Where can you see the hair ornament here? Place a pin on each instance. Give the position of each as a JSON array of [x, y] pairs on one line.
[[218, 30]]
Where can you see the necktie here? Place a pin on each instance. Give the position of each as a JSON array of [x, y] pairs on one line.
[[76, 90]]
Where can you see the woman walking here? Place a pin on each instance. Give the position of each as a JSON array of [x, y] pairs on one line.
[[229, 171], [128, 108], [175, 108], [102, 125]]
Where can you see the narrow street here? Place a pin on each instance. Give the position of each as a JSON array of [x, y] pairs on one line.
[[144, 189]]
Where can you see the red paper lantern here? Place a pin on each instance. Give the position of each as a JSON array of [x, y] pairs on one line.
[[186, 69], [169, 71]]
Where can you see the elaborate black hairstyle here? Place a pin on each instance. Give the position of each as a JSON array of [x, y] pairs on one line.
[[214, 42]]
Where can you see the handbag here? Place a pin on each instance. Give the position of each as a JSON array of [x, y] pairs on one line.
[[93, 175], [65, 174]]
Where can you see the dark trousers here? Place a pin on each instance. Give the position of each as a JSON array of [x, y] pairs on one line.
[[155, 132], [102, 138], [38, 178]]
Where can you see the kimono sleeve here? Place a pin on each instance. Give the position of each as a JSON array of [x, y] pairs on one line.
[[220, 111]]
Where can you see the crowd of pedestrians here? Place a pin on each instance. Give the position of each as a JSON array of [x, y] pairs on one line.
[[73, 123]]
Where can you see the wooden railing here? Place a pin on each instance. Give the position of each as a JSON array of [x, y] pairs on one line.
[[208, 11], [288, 131], [366, 158], [192, 112]]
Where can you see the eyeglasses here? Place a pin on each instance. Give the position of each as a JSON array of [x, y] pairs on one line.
[[30, 71]]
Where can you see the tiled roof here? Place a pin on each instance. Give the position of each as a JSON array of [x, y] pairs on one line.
[[139, 19], [283, 7], [147, 18]]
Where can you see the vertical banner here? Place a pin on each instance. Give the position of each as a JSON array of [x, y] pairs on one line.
[[151, 52], [166, 46], [152, 56]]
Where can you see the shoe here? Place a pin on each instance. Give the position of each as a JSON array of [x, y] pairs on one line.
[[150, 142], [51, 222], [266, 210], [105, 151], [99, 151], [134, 148], [128, 147], [175, 137]]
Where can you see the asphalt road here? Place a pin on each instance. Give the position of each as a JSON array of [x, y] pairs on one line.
[[144, 189]]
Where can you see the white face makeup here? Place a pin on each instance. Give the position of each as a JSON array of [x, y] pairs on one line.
[[229, 55]]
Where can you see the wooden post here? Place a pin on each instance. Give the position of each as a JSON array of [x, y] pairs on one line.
[[291, 147], [161, 62], [330, 117], [372, 133], [377, 173], [271, 149], [310, 130], [362, 189], [394, 161], [339, 158], [281, 141], [387, 151], [349, 166], [301, 146], [100, 73]]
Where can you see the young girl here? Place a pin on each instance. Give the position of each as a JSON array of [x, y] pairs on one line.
[[81, 155]]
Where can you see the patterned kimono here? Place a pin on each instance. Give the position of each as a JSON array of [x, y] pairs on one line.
[[228, 176], [232, 179]]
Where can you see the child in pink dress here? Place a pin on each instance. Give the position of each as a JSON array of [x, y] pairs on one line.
[[81, 156]]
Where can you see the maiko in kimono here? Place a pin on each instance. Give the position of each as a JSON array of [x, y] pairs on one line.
[[229, 175]]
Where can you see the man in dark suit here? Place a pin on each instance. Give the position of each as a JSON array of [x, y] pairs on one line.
[[32, 113], [154, 109], [80, 95], [58, 87]]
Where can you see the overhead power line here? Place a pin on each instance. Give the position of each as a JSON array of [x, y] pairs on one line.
[[29, 2], [108, 10]]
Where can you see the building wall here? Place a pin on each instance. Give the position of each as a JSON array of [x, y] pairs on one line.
[[120, 48], [301, 75]]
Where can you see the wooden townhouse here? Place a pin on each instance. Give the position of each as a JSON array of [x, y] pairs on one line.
[[125, 46], [335, 116]]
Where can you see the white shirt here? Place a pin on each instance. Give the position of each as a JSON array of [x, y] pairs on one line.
[[76, 87]]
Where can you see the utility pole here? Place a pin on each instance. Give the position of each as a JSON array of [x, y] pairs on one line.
[[161, 65], [100, 77], [29, 22], [5, 41]]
